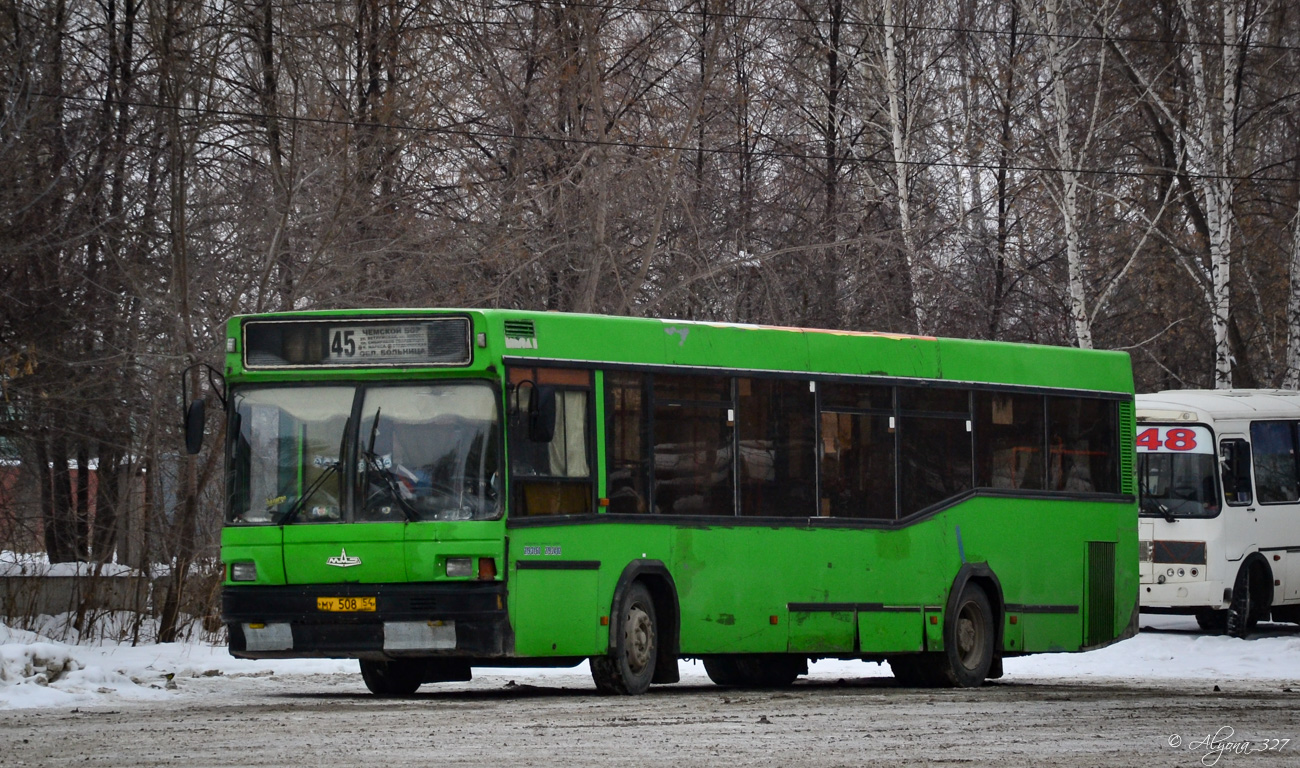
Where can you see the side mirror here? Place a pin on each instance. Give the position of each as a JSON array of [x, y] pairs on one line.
[[194, 419], [541, 414]]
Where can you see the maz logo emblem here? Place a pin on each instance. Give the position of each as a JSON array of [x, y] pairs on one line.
[[343, 561]]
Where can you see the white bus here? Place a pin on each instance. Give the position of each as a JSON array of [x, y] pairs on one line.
[[1219, 486]]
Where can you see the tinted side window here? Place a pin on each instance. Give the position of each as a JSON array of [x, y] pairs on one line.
[[627, 422], [1273, 443], [1083, 445], [777, 469], [857, 465], [934, 445], [1009, 440], [693, 446]]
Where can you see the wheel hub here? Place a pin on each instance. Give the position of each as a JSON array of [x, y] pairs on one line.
[[970, 640], [638, 638]]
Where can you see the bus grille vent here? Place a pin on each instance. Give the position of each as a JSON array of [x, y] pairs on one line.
[[1127, 428], [424, 603], [1101, 593], [520, 329]]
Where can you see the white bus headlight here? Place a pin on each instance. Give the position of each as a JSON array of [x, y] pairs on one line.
[[460, 567], [244, 570]]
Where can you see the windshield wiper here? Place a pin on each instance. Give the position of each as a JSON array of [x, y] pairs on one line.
[[330, 470], [1151, 505], [372, 461]]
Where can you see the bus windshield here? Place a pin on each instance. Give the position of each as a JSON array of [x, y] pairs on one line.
[[1173, 485], [422, 452]]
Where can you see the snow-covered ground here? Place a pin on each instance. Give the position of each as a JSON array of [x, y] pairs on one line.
[[37, 672]]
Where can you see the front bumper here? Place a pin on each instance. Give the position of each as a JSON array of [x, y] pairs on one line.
[[1185, 595], [462, 619]]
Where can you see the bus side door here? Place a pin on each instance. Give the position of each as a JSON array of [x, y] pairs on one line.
[[1238, 530]]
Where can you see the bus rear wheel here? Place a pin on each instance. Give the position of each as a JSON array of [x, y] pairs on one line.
[[391, 678], [968, 638], [756, 670], [629, 666]]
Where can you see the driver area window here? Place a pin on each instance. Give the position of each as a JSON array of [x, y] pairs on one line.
[[553, 477]]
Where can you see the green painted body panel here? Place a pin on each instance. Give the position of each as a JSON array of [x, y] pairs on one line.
[[891, 631], [822, 631], [264, 546], [735, 583], [389, 553], [557, 613], [380, 547], [731, 580], [428, 545]]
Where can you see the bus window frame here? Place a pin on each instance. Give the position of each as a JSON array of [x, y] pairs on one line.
[[1222, 443], [1295, 460], [532, 374]]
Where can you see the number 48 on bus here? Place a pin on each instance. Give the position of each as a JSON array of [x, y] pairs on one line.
[[1171, 439]]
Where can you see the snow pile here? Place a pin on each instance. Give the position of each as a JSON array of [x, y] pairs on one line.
[[38, 672], [25, 657], [1172, 647], [38, 564]]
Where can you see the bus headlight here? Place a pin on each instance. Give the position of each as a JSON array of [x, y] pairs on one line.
[[460, 567], [244, 570]]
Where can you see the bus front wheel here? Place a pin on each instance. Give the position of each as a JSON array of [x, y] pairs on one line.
[[629, 666], [391, 678], [1251, 600]]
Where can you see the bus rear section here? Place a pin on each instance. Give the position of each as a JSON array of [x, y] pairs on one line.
[[1219, 490]]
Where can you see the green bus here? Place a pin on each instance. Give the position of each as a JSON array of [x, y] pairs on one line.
[[432, 490]]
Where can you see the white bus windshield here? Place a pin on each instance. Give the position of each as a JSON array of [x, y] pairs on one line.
[[1177, 472]]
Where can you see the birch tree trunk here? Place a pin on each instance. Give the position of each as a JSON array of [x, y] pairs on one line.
[[1210, 154], [899, 125], [1069, 177], [1291, 380]]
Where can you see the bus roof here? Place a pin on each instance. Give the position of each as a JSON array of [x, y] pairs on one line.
[[1218, 404], [609, 340]]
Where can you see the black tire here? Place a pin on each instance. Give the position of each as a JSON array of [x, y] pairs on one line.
[[391, 678], [1212, 621], [629, 666], [968, 640], [1247, 608], [755, 670]]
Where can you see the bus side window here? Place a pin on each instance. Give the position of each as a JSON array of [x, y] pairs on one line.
[[1083, 445], [934, 446], [1273, 449], [858, 451], [1234, 460], [1009, 441], [553, 478], [776, 434], [627, 441]]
